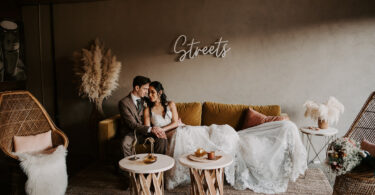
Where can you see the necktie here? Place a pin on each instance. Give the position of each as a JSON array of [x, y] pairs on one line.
[[139, 105]]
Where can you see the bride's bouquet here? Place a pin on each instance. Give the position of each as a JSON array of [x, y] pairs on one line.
[[343, 155]]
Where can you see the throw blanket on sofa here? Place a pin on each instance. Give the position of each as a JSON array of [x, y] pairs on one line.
[[266, 157], [46, 173]]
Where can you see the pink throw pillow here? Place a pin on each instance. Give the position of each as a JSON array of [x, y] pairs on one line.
[[368, 146], [32, 143], [276, 118], [254, 118]]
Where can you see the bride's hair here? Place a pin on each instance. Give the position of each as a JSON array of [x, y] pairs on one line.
[[163, 98]]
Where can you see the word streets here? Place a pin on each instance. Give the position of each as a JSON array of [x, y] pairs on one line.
[[191, 50]]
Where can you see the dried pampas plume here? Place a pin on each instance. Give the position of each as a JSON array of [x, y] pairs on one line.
[[329, 111], [97, 71]]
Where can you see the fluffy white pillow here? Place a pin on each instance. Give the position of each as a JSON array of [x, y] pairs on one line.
[[46, 173], [32, 143]]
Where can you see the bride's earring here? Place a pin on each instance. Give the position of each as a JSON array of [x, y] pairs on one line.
[[158, 98], [159, 95]]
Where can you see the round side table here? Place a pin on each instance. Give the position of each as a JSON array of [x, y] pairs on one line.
[[329, 134], [147, 178], [207, 177]]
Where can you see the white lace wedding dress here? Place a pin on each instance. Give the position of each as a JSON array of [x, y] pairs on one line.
[[266, 157]]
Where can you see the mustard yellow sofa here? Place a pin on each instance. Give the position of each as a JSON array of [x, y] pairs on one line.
[[195, 114]]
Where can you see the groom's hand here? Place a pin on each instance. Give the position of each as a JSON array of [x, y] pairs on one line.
[[158, 132]]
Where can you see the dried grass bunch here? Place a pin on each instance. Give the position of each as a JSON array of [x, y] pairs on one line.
[[98, 72], [329, 111]]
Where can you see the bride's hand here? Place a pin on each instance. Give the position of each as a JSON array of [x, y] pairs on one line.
[[163, 135], [159, 132], [180, 123]]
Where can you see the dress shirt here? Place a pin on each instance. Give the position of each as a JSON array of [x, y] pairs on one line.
[[134, 99]]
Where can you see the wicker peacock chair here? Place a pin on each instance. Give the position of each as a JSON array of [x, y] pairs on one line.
[[362, 179], [21, 114]]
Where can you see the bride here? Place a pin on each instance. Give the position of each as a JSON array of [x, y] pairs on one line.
[[266, 156]]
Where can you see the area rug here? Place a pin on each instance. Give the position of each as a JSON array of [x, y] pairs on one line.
[[100, 179]]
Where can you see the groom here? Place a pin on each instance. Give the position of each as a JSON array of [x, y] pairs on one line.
[[131, 110]]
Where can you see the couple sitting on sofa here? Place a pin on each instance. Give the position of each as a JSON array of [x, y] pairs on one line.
[[265, 156]]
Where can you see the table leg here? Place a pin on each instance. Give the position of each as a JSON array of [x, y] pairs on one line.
[[308, 148], [316, 153], [207, 181], [147, 184], [327, 141]]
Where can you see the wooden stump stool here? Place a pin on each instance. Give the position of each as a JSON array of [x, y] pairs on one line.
[[147, 179], [207, 177]]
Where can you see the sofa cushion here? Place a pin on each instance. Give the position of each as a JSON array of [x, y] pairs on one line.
[[190, 113], [269, 110], [232, 114], [253, 118]]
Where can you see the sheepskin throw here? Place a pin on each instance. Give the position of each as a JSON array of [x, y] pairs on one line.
[[46, 173]]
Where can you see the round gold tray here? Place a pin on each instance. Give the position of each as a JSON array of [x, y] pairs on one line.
[[150, 159], [202, 159]]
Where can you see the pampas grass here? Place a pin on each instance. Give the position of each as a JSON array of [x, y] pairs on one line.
[[329, 111], [98, 72]]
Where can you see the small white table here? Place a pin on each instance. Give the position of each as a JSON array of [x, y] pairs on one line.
[[329, 134], [207, 177], [144, 176]]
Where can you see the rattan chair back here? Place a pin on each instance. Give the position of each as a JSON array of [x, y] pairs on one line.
[[363, 126], [361, 180], [21, 114]]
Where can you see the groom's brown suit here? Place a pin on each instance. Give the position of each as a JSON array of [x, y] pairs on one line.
[[132, 120]]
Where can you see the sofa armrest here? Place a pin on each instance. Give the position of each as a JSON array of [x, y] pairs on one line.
[[106, 130]]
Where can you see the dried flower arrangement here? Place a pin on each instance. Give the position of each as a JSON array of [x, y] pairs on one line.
[[328, 112], [98, 71], [343, 155]]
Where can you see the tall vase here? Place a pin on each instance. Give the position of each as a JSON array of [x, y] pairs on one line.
[[94, 119], [322, 124]]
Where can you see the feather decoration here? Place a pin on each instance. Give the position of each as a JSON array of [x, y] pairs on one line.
[[97, 70], [329, 111]]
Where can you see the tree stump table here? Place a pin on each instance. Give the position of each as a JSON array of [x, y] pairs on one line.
[[207, 177], [147, 179]]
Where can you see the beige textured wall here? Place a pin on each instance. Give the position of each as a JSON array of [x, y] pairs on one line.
[[283, 52]]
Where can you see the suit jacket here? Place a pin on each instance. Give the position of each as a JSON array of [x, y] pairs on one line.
[[130, 118]]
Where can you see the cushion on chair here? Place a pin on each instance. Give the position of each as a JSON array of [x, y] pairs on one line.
[[190, 113], [232, 114], [32, 143], [368, 146]]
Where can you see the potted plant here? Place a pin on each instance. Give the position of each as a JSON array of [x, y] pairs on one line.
[[97, 73], [325, 113]]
